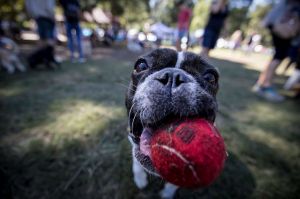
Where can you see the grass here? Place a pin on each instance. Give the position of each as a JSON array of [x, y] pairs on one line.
[[63, 134]]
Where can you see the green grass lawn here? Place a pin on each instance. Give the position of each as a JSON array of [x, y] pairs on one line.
[[63, 134]]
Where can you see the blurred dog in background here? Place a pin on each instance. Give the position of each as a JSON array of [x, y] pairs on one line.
[[9, 55], [43, 56]]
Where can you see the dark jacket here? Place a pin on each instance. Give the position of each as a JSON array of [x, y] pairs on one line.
[[71, 10]]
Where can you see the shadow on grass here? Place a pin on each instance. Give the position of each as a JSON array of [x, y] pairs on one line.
[[236, 181], [237, 102], [27, 100], [78, 171]]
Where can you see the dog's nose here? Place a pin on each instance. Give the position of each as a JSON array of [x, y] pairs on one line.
[[172, 79]]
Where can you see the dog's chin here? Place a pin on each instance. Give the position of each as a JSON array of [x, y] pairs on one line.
[[142, 151]]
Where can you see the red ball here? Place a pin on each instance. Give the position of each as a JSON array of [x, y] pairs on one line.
[[189, 153]]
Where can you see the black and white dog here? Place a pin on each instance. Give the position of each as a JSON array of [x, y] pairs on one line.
[[165, 85]]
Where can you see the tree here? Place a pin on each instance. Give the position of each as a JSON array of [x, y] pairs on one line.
[[165, 11], [12, 10], [136, 12], [200, 14], [129, 11], [254, 25], [237, 20]]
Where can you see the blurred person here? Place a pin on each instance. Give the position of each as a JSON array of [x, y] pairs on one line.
[[218, 13], [72, 16], [236, 39], [115, 27], [293, 53], [43, 13], [252, 41], [283, 23], [183, 23]]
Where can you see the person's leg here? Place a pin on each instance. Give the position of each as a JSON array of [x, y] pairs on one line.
[[281, 47], [291, 62], [205, 53], [78, 37], [210, 38], [295, 77], [263, 86], [41, 27], [266, 77], [50, 33], [70, 39]]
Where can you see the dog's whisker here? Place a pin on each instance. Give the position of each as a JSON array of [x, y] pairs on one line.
[[142, 120], [125, 86], [133, 122], [130, 109], [127, 82]]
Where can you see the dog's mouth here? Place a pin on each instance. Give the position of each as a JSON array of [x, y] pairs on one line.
[[143, 139], [145, 136]]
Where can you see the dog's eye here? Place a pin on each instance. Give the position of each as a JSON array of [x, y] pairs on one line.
[[210, 78], [141, 66]]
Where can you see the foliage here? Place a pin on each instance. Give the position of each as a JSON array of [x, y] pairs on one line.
[[12, 10], [254, 24], [135, 12], [165, 11], [236, 20], [200, 15]]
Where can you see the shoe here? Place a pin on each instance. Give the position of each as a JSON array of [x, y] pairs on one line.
[[268, 93], [73, 60], [81, 60]]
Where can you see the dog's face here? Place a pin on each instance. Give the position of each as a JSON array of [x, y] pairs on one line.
[[167, 85]]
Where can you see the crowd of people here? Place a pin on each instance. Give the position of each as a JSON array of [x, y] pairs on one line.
[[43, 12], [282, 22]]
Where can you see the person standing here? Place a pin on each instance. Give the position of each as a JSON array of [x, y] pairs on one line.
[[183, 25], [72, 16], [218, 14], [43, 13], [283, 23]]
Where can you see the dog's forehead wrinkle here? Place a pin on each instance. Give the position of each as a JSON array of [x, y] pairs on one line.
[[192, 60], [161, 58]]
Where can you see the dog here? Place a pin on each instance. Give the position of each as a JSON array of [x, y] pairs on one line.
[[166, 84], [9, 55], [43, 56]]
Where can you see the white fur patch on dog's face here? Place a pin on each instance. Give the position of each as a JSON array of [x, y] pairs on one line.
[[180, 58]]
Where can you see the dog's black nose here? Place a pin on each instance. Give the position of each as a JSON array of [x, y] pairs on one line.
[[172, 79]]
